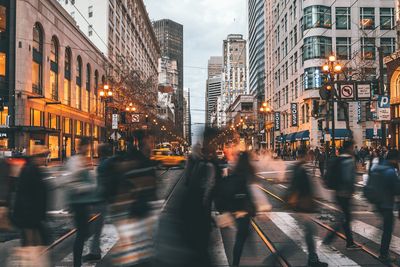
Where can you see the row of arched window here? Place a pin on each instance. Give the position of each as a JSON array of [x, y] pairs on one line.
[[37, 72]]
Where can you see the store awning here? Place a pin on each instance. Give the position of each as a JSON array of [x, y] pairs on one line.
[[279, 139], [369, 134], [291, 137], [303, 135], [341, 134]]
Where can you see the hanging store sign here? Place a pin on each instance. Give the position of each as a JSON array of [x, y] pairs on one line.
[[346, 91], [364, 91], [295, 115], [135, 118], [277, 119], [383, 109], [3, 135], [114, 124], [359, 112]]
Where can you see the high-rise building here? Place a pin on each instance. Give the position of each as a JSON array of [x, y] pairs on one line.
[[215, 66], [122, 30], [213, 85], [168, 80], [301, 36], [256, 45], [235, 69], [187, 117], [170, 37]]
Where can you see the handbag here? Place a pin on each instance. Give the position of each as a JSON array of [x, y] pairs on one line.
[[32, 256], [135, 244], [260, 199], [5, 224], [225, 220]]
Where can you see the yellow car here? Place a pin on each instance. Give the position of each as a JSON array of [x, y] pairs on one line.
[[166, 158]]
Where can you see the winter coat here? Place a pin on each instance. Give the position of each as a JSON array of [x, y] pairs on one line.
[[390, 182], [347, 174]]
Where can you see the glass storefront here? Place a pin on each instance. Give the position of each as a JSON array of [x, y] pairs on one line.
[[54, 146]]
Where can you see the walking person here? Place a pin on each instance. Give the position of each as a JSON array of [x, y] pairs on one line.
[[31, 200], [300, 197], [344, 169], [386, 180], [321, 162], [81, 186]]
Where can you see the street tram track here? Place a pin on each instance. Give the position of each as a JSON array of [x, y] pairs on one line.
[[326, 226], [71, 232]]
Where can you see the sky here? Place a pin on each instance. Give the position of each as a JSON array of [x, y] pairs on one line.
[[206, 23]]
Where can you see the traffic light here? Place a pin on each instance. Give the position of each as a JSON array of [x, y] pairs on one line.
[[123, 117], [315, 109], [320, 128], [1, 104]]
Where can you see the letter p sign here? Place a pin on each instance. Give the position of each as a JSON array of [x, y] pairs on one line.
[[383, 102]]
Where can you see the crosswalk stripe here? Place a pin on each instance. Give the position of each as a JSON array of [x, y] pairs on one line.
[[288, 225], [108, 239], [374, 234]]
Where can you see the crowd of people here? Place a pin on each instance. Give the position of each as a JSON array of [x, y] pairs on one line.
[[123, 189]]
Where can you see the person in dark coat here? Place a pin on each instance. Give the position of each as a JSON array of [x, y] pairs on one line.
[[31, 200], [300, 197]]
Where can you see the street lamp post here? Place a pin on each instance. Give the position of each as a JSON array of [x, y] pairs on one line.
[[332, 67], [265, 110], [106, 96]]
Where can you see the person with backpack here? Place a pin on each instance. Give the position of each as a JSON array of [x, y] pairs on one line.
[[300, 198], [340, 177], [382, 187]]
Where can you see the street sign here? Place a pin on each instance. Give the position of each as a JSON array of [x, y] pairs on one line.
[[364, 91], [295, 120], [346, 91], [114, 125], [383, 110], [327, 137], [277, 117], [135, 118], [375, 129], [115, 136]]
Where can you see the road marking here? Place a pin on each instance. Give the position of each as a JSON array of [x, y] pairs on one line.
[[108, 239], [374, 234], [283, 186], [293, 230]]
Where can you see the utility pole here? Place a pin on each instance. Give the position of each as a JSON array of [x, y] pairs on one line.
[[382, 91]]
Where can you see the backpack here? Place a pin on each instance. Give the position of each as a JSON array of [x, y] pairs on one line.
[[374, 189], [332, 177]]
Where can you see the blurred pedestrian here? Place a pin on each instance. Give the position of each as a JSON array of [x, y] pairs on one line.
[[243, 207], [300, 197], [31, 200], [5, 194], [81, 185], [106, 171], [386, 179], [345, 173], [321, 162]]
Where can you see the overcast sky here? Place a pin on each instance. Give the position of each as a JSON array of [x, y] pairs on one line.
[[206, 24]]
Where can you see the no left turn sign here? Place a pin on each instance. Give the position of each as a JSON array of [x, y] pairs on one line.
[[347, 91]]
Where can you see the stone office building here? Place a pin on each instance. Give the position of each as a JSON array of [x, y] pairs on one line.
[[51, 80]]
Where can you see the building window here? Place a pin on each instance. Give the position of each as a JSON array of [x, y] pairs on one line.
[[386, 18], [78, 87], [343, 18], [368, 74], [317, 17], [36, 118], [343, 48], [78, 128], [54, 68], [3, 22], [88, 84], [368, 48], [342, 111], [388, 45], [313, 78], [67, 77], [317, 47], [67, 125], [90, 30], [90, 11], [37, 59], [3, 64], [54, 121], [367, 18]]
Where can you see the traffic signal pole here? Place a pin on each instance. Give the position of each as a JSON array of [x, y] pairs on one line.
[[382, 91]]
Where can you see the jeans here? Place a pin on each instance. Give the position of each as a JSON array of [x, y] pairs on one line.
[[81, 219], [242, 233], [388, 220], [344, 221], [309, 232]]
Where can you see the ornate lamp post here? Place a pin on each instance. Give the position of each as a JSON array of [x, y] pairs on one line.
[[106, 96], [265, 110]]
